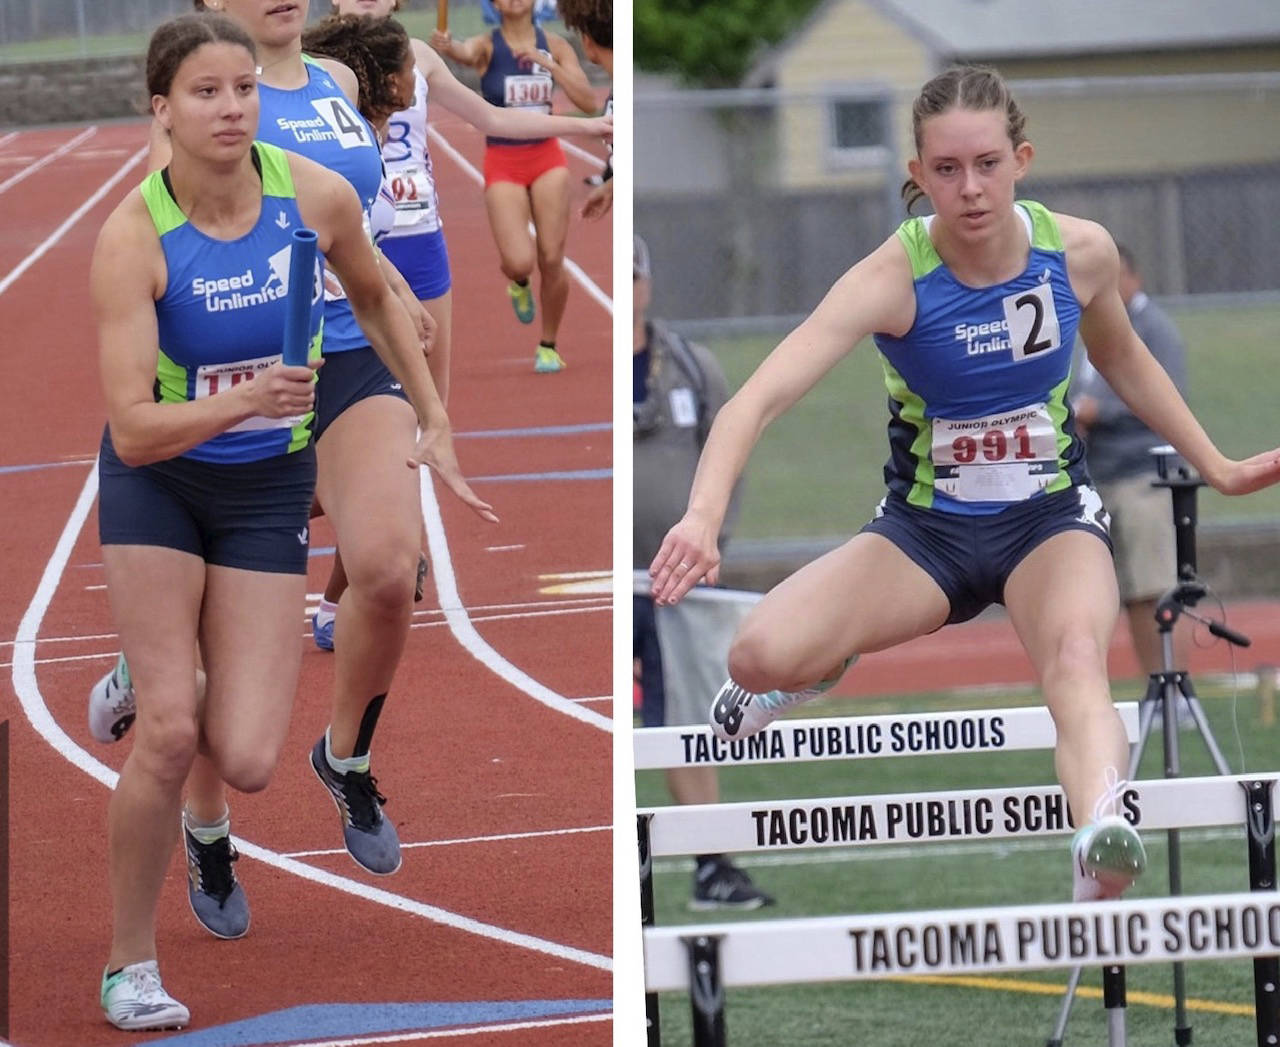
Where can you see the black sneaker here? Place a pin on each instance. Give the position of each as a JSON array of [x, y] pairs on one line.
[[217, 899], [370, 838], [722, 885]]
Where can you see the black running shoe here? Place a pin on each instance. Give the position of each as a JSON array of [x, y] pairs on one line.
[[371, 839], [722, 885]]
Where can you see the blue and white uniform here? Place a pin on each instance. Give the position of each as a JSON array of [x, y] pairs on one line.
[[984, 457], [416, 244], [321, 123], [241, 498]]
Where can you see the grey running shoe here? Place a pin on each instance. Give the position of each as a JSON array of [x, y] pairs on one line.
[[371, 839], [112, 704], [133, 998], [217, 899], [420, 580], [738, 713], [722, 885]]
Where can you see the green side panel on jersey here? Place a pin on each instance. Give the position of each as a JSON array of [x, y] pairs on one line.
[[912, 412], [165, 214], [1057, 406], [277, 179], [1045, 234], [920, 250], [172, 379]]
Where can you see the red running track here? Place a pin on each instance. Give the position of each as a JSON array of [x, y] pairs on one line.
[[503, 801]]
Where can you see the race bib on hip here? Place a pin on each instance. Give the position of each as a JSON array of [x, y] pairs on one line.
[[212, 379], [415, 197], [1004, 457]]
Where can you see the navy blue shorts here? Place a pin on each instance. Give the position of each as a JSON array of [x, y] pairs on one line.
[[644, 646], [423, 260], [347, 378], [971, 557], [250, 515]]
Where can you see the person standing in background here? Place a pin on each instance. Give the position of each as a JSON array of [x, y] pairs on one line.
[[677, 389], [1120, 461]]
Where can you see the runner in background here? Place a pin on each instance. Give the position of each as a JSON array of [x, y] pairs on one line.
[[593, 20], [520, 66], [416, 244]]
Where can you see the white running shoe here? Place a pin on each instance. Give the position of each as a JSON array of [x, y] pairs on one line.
[[113, 704], [133, 998], [1107, 858], [739, 713]]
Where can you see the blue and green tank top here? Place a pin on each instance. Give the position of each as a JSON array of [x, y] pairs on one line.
[[978, 386], [322, 124], [221, 318]]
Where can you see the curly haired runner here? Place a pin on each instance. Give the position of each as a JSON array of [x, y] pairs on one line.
[[974, 310], [593, 20], [520, 66]]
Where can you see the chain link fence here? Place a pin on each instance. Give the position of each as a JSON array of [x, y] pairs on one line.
[[754, 202]]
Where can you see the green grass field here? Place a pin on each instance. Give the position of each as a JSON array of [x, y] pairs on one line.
[[464, 21], [1004, 1010], [837, 433]]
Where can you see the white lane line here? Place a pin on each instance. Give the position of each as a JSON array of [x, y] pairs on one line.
[[48, 158], [574, 269], [5, 140], [471, 1030], [37, 712], [464, 631], [468, 839], [582, 154], [76, 215]]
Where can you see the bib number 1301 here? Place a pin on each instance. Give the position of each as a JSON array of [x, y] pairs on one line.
[[1033, 322]]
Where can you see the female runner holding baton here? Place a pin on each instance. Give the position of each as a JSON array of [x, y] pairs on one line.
[[207, 466]]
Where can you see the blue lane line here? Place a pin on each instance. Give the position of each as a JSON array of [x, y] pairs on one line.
[[573, 474], [344, 1021], [545, 430], [5, 469]]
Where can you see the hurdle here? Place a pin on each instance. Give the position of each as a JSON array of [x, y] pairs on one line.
[[984, 814]]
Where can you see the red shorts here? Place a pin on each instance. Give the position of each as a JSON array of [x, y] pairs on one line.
[[522, 164]]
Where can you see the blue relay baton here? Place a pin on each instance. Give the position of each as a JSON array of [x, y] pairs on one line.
[[297, 327]]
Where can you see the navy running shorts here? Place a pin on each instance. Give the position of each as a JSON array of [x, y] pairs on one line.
[[250, 515], [971, 557], [348, 377], [644, 646], [423, 260]]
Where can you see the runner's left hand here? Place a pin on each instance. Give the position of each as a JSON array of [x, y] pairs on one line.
[[435, 450]]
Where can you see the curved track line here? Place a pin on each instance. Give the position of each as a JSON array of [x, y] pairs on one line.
[[27, 688], [474, 1030], [76, 215], [49, 158], [574, 269], [465, 632]]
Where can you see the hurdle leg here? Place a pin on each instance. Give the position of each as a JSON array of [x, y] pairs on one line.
[[706, 990], [647, 920], [1261, 828], [1113, 999]]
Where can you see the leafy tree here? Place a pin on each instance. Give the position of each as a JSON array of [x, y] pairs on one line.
[[711, 43]]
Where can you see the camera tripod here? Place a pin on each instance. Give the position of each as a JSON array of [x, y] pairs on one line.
[[1165, 691]]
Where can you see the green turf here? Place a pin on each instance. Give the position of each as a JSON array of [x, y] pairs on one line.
[[836, 434], [817, 883]]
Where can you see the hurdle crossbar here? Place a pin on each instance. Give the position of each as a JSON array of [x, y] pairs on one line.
[[977, 814], [862, 948], [861, 738]]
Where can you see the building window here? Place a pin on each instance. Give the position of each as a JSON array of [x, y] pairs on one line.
[[858, 132]]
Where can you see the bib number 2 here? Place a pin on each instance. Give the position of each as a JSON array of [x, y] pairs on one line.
[[1033, 322]]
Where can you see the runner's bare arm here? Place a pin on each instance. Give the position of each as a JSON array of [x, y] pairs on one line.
[[474, 52], [1126, 363]]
